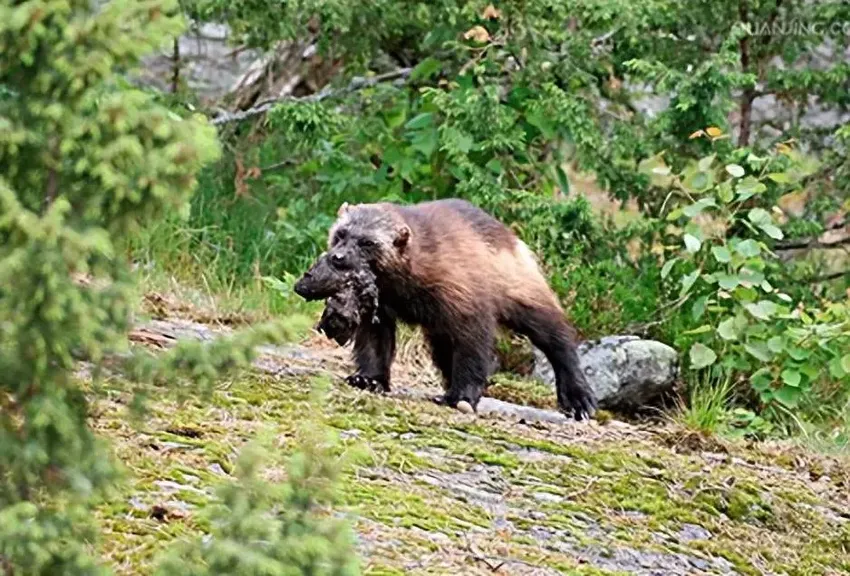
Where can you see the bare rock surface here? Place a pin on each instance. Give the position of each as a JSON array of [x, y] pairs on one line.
[[625, 372]]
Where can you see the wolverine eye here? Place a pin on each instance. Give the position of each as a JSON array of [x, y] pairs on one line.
[[365, 242], [339, 236]]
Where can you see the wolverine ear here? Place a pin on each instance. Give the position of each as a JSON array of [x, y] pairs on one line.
[[402, 235], [342, 209]]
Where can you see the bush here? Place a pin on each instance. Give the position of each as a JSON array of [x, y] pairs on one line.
[[750, 319]]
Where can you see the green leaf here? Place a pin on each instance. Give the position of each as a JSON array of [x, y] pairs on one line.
[[780, 177], [836, 370], [788, 396], [749, 187], [668, 266], [759, 216], [763, 309], [698, 309], [563, 181], [649, 165], [701, 356], [758, 350], [797, 353], [706, 162], [698, 206], [761, 380], [776, 344], [727, 281], [425, 141], [688, 282], [721, 254], [727, 329], [425, 69], [692, 243], [464, 143], [748, 248], [394, 118], [734, 170], [420, 121], [750, 278], [845, 363], [701, 330], [698, 181], [724, 192], [674, 214], [494, 166], [772, 231], [791, 377]]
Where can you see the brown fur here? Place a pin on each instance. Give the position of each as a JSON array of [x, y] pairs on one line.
[[459, 273]]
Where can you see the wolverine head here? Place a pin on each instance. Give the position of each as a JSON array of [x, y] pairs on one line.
[[370, 233]]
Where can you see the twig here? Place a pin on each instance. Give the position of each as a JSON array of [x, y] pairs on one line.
[[175, 75], [603, 38], [827, 277], [809, 243], [357, 83], [581, 491]]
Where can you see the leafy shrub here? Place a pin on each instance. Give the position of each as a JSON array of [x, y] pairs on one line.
[[735, 290]]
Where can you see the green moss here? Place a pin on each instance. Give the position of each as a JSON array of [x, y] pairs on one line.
[[617, 491]]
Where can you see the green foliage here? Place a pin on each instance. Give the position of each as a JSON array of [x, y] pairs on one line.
[[263, 528], [735, 289], [708, 406]]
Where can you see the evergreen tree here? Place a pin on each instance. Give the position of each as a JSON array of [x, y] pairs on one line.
[[262, 529], [85, 159]]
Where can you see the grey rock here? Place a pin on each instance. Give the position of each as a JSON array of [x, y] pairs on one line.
[[691, 532], [625, 372]]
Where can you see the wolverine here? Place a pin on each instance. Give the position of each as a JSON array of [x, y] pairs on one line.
[[459, 274]]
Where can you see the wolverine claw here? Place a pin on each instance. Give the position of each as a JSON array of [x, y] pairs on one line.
[[584, 407], [461, 405], [366, 383]]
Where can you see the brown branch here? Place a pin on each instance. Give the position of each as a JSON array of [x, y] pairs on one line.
[[762, 56], [356, 84], [827, 277], [813, 242], [175, 73], [748, 96]]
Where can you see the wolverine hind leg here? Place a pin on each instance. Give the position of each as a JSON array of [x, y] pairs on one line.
[[374, 350], [547, 329]]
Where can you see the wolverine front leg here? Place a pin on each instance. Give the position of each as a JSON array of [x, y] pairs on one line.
[[374, 350], [470, 363]]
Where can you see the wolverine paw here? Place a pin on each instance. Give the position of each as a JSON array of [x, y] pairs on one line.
[[583, 405], [366, 383], [461, 405]]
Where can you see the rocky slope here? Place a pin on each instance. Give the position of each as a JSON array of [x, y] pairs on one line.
[[510, 491]]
